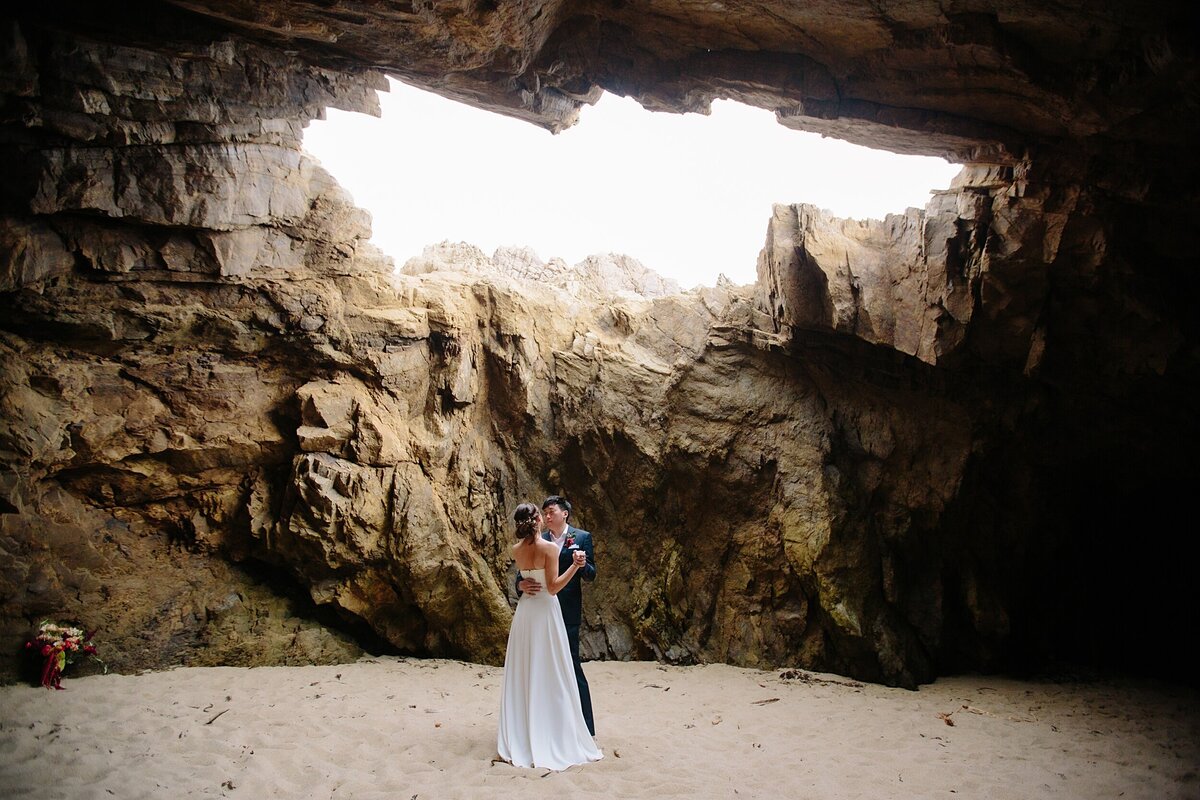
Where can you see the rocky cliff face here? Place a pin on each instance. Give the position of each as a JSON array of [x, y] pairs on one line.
[[232, 435]]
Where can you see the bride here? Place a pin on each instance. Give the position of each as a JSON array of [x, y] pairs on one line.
[[541, 720]]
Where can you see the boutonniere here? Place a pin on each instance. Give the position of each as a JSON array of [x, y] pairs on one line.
[[570, 542]]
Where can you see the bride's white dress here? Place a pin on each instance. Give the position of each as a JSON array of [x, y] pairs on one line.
[[541, 720]]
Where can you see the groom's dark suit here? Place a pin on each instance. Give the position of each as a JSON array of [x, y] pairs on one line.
[[570, 597]]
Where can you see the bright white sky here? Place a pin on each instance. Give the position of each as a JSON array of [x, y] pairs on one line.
[[687, 195]]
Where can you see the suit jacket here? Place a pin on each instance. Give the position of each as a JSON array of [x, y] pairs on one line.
[[570, 597]]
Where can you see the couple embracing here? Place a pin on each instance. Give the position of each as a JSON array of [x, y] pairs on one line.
[[545, 705]]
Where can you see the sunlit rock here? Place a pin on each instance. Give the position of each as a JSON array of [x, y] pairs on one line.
[[607, 275]]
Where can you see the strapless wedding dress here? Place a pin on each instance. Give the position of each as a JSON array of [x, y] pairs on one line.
[[541, 720]]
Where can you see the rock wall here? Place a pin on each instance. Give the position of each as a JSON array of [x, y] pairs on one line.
[[232, 435]]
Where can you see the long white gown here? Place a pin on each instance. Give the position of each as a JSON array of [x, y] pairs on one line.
[[541, 720]]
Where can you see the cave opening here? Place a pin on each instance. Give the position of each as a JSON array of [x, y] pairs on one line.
[[687, 195]]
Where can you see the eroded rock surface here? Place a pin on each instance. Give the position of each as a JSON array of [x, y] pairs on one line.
[[231, 434], [597, 278]]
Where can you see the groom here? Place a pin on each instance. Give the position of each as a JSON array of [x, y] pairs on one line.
[[556, 511]]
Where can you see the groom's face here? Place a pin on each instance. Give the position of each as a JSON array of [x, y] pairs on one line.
[[556, 518]]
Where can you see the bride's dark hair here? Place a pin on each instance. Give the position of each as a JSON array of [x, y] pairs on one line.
[[526, 517]]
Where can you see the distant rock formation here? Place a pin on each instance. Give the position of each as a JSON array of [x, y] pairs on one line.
[[601, 276]]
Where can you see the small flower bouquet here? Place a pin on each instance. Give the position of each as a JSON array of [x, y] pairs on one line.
[[60, 645]]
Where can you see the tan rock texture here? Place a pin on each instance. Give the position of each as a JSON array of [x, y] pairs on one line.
[[231, 433]]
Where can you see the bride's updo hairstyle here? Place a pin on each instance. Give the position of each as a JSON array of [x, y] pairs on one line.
[[526, 517]]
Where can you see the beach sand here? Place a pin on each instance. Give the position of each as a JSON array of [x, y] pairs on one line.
[[426, 729]]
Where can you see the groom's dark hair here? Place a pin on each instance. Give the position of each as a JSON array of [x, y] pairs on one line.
[[558, 500]]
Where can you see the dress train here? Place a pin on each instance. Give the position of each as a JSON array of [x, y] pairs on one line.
[[541, 719]]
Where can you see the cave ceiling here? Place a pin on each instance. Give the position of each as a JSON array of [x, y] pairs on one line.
[[970, 81]]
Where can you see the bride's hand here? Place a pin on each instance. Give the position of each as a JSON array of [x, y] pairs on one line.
[[580, 558]]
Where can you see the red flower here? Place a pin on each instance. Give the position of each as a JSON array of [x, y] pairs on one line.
[[61, 645], [570, 541]]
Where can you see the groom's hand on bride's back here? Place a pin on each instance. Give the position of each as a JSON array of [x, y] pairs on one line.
[[528, 586]]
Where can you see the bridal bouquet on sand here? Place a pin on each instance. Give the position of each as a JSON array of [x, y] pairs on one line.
[[60, 645]]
